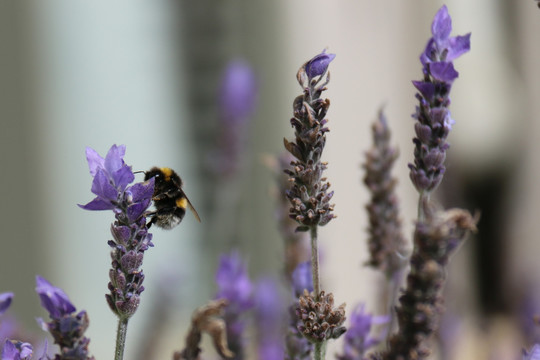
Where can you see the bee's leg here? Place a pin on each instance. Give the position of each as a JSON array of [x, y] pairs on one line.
[[153, 219]]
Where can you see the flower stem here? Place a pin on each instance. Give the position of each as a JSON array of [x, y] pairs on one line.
[[315, 262], [320, 350], [121, 338]]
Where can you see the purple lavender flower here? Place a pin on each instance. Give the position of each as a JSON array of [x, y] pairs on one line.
[[234, 286], [237, 102], [434, 120], [269, 316], [53, 299], [17, 350], [533, 354], [66, 327], [131, 238], [302, 279], [357, 338], [309, 196], [5, 301]]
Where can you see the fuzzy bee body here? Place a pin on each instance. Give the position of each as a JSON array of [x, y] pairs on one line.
[[169, 198]]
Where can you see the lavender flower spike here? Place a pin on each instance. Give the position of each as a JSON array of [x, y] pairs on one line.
[[66, 327], [533, 354], [433, 117], [130, 233], [234, 286], [131, 238], [5, 301]]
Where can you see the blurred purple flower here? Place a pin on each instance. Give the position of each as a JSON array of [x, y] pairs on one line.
[[53, 299], [302, 278], [234, 286], [238, 93], [16, 350], [5, 301], [269, 318], [318, 65], [357, 338], [238, 96], [434, 120], [533, 354], [233, 282]]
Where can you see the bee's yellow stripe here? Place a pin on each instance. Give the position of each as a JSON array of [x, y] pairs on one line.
[[167, 172], [181, 202]]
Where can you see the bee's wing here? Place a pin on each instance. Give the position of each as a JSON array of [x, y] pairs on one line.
[[192, 208]]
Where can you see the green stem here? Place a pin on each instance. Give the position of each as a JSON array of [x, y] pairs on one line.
[[121, 338], [422, 201], [315, 262], [320, 350]]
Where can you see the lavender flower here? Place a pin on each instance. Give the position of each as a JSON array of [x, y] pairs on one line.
[[5, 301], [357, 338], [17, 350], [533, 354], [237, 102], [308, 195], [320, 321], [433, 117], [297, 346], [269, 316], [436, 237], [131, 238], [66, 327], [386, 241], [235, 287]]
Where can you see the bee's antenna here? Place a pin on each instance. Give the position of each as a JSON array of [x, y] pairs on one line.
[[138, 172]]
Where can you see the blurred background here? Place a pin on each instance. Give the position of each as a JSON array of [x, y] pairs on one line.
[[150, 75]]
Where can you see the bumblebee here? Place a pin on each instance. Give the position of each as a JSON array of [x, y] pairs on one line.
[[169, 199]]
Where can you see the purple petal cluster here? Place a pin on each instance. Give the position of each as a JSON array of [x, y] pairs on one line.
[[238, 96], [235, 286], [357, 338], [130, 234], [17, 351], [533, 354], [5, 301], [269, 318], [66, 327], [433, 117], [302, 279]]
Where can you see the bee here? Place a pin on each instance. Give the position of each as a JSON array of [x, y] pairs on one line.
[[169, 199]]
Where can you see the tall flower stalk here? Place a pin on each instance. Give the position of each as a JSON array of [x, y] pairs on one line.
[[309, 195], [433, 117], [438, 233], [130, 234]]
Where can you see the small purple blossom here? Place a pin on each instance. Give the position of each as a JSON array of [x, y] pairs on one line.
[[53, 299], [357, 337], [318, 65], [5, 301], [16, 350], [533, 354], [302, 278]]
